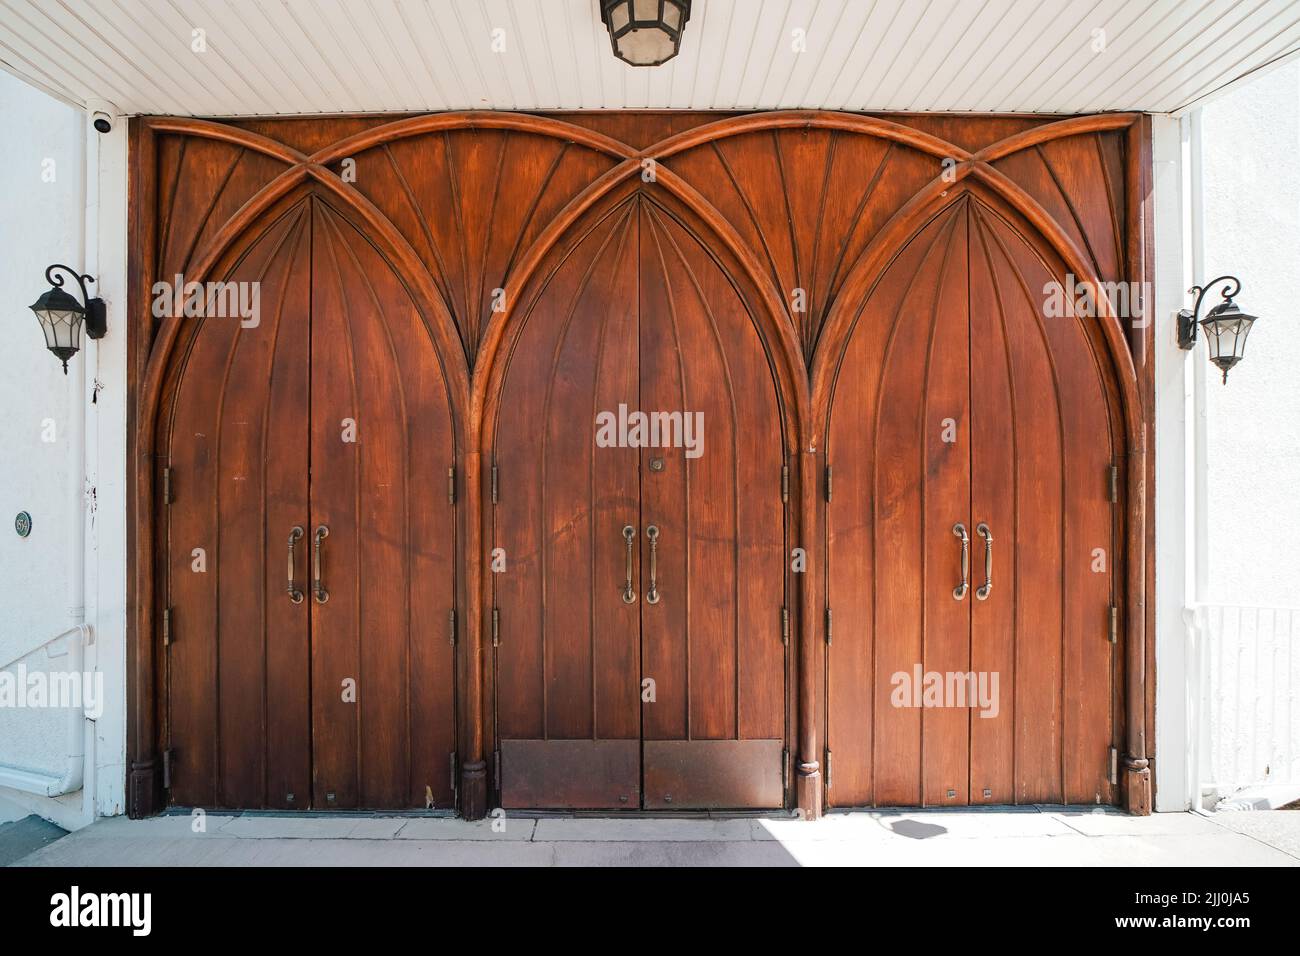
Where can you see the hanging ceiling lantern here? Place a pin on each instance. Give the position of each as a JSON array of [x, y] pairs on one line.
[[61, 315], [645, 32], [1225, 326]]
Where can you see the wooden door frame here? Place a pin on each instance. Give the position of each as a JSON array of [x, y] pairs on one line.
[[804, 391]]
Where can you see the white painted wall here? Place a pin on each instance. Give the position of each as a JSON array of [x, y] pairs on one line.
[[1250, 195], [42, 223], [79, 220], [1228, 456]]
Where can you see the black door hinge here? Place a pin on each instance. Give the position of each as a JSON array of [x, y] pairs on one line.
[[1114, 484], [496, 770], [496, 628], [451, 485], [167, 485], [785, 626], [828, 626], [494, 484], [167, 769], [785, 483], [167, 626], [785, 768], [453, 772], [828, 769], [1114, 624], [828, 482], [451, 622]]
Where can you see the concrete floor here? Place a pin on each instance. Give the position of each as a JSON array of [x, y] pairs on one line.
[[1043, 836]]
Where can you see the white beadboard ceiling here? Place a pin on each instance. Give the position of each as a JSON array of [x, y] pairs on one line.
[[270, 57]]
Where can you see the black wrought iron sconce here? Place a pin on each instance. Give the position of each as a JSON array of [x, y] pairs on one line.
[[62, 316], [1225, 326]]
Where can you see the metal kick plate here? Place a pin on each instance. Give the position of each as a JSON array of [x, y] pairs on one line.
[[713, 774], [571, 774]]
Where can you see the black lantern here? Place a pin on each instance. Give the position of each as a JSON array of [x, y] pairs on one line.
[[61, 315], [645, 32], [1225, 326]]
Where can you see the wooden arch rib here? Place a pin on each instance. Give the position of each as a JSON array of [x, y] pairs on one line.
[[885, 129], [206, 129], [473, 119]]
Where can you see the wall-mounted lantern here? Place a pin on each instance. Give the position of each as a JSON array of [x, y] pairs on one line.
[[61, 315], [645, 32], [1225, 326]]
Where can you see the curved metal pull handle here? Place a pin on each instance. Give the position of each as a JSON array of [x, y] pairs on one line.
[[321, 594], [629, 595], [652, 596], [295, 595], [982, 592], [960, 590]]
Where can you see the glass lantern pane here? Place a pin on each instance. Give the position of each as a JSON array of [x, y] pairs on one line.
[[647, 11], [645, 46]]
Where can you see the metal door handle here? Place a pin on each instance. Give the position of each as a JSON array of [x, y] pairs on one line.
[[960, 590], [983, 591], [295, 595], [652, 596], [321, 594], [629, 595]]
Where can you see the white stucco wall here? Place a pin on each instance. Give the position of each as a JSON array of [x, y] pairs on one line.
[[1250, 175], [52, 211]]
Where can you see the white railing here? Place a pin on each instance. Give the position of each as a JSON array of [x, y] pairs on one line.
[[1245, 685]]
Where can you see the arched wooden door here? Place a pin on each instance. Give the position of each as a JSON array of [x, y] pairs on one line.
[[317, 672], [967, 417], [638, 654]]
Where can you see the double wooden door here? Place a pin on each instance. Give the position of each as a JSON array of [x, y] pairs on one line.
[[971, 520], [310, 546], [639, 578]]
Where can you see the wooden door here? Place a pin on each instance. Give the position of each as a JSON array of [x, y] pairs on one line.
[[331, 413], [1042, 450], [383, 704], [236, 647], [711, 638], [567, 667], [632, 673], [964, 417]]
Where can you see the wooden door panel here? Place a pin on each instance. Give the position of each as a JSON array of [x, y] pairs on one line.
[[898, 491], [567, 667], [383, 661], [874, 527], [1063, 518], [712, 642], [237, 677]]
